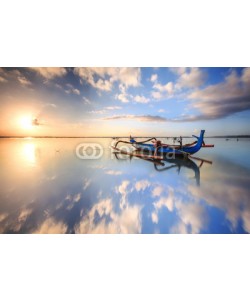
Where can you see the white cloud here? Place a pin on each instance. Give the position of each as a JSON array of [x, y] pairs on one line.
[[107, 76], [113, 107], [168, 87], [154, 217], [246, 219], [50, 73], [223, 99], [123, 96], [157, 191], [105, 110], [98, 112], [228, 89], [23, 80], [246, 76], [188, 78], [13, 74], [50, 105], [76, 91], [141, 99], [154, 78], [51, 226], [24, 215], [161, 110], [3, 79], [113, 172], [86, 183], [17, 223], [127, 220], [71, 89], [191, 78], [127, 76], [3, 216], [179, 228], [156, 95], [3, 75], [123, 190], [142, 185], [179, 70], [73, 198], [161, 90], [165, 201], [146, 118], [233, 201], [192, 214], [103, 85], [77, 197], [86, 100]]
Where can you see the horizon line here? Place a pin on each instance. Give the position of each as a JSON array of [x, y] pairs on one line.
[[44, 136]]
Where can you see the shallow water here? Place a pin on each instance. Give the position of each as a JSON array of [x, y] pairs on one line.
[[46, 188]]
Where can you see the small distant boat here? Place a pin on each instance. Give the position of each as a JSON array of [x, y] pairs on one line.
[[158, 149]]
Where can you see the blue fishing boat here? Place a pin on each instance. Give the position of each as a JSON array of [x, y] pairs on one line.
[[158, 149], [176, 149]]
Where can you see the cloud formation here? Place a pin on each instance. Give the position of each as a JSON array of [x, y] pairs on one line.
[[222, 99], [233, 200], [50, 73], [13, 75], [190, 77], [103, 78], [187, 78], [2, 79], [142, 118], [51, 226], [141, 185], [113, 172], [161, 90], [104, 217], [113, 107], [141, 99], [122, 96], [71, 89], [167, 201], [191, 214]]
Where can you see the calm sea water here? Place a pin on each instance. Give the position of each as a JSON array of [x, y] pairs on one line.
[[46, 188]]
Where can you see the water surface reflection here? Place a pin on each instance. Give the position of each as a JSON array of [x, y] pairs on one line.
[[45, 188]]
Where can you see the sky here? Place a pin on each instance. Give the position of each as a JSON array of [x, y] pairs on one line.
[[124, 101]]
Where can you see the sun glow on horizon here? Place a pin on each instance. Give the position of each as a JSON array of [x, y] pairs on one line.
[[25, 122]]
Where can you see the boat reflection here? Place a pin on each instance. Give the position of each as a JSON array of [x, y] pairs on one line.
[[179, 163], [170, 163]]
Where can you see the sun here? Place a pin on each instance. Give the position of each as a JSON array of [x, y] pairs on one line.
[[26, 122]]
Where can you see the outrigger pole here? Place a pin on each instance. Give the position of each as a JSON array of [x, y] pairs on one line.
[[157, 147], [143, 156]]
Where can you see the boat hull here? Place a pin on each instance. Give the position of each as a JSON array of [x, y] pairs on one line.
[[171, 150]]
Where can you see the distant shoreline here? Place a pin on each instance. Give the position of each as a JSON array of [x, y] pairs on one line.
[[111, 137]]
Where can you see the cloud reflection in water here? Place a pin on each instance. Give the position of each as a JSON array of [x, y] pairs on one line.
[[48, 192]]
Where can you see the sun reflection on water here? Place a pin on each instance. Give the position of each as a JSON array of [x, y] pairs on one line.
[[28, 153]]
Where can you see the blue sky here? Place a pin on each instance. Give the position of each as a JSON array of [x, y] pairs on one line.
[[124, 101]]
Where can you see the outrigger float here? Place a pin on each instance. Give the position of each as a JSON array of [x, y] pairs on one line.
[[156, 151]]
